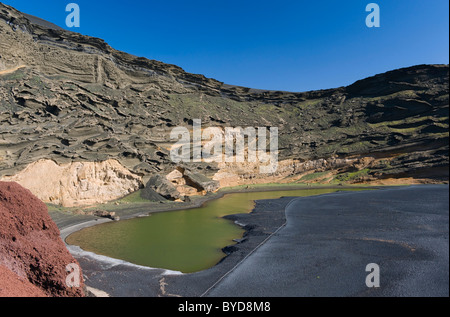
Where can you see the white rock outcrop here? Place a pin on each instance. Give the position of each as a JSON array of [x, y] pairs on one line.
[[77, 183]]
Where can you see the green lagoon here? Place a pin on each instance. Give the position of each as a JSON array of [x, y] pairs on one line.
[[186, 240]]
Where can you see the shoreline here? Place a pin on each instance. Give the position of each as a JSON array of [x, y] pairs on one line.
[[77, 225], [329, 239], [70, 223], [161, 282], [261, 216], [264, 221]]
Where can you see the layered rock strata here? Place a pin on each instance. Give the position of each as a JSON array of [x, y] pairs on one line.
[[72, 98]]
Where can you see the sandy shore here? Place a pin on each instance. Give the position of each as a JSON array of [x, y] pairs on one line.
[[330, 239], [119, 278], [101, 272], [69, 223]]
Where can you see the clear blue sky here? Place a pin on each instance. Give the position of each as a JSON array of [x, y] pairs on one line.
[[292, 45]]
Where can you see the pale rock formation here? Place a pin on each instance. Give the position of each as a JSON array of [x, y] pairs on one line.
[[77, 183], [233, 174]]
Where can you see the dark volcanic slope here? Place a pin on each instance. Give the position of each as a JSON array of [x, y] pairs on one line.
[[69, 97]]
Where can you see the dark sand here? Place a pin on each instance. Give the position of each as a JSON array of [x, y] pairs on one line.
[[322, 251], [329, 240]]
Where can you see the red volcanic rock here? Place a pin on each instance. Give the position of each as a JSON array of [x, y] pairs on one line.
[[11, 285], [30, 246]]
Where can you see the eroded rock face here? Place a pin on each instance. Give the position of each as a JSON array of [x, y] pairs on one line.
[[72, 98], [77, 183], [11, 285], [287, 171], [31, 250]]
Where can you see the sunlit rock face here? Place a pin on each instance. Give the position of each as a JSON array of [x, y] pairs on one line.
[[77, 183], [73, 99]]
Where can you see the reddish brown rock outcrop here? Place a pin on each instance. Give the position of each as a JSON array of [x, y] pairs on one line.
[[31, 250], [11, 285]]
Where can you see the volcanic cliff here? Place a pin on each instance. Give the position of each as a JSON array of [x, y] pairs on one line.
[[71, 102], [33, 258]]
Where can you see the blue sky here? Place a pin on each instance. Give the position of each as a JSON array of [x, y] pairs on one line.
[[291, 45]]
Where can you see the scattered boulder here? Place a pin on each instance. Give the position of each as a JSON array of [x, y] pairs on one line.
[[201, 182], [177, 185], [151, 195], [106, 214], [163, 187], [176, 177]]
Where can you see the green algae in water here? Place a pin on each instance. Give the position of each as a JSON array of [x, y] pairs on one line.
[[187, 240]]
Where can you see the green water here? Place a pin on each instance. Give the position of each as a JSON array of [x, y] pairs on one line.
[[187, 240]]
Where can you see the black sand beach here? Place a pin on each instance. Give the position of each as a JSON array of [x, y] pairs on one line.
[[322, 250]]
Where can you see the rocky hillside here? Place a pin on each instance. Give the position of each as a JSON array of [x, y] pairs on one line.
[[33, 258], [71, 98]]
